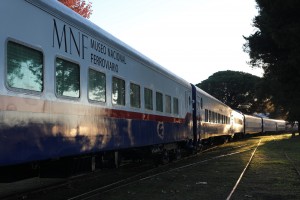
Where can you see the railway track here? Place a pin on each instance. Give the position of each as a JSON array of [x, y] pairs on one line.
[[96, 193], [134, 175], [243, 172], [122, 176]]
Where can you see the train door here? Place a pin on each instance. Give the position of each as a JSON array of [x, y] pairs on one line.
[[199, 107], [194, 114], [188, 101]]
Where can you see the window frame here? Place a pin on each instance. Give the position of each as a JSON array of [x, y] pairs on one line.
[[112, 87], [55, 84], [140, 103], [29, 46], [162, 102], [175, 105], [206, 117], [88, 86], [152, 102], [170, 104]]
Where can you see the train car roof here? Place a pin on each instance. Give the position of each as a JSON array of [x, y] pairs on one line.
[[64, 13], [209, 96]]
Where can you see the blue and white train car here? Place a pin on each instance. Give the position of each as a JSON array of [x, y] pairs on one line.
[[253, 124], [274, 125], [269, 125], [68, 88], [212, 116], [281, 125]]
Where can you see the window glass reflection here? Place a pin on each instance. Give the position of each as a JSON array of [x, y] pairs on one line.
[[24, 67], [67, 78], [118, 91], [159, 102], [135, 97], [97, 86], [148, 99]]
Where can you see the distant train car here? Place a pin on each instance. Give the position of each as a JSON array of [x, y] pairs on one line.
[[274, 125], [269, 125], [281, 125], [211, 116], [253, 124]]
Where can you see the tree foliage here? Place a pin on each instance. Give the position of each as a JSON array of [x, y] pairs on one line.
[[275, 46], [236, 89], [80, 6]]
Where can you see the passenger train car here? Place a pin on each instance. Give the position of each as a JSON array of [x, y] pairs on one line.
[[253, 124], [69, 88]]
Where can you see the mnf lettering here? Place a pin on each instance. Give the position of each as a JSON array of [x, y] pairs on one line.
[[67, 40], [72, 41]]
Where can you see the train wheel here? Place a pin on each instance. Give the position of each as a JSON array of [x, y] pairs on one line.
[[177, 154], [225, 139], [165, 158]]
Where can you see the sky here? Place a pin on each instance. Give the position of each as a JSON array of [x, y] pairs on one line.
[[192, 38]]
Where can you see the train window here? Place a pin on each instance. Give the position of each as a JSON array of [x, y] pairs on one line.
[[219, 118], [210, 116], [97, 86], [67, 78], [118, 91], [159, 102], [168, 103], [135, 95], [201, 103], [175, 106], [24, 67], [206, 115], [148, 96]]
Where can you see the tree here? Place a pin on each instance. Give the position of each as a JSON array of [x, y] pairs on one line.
[[275, 46], [80, 6], [238, 90]]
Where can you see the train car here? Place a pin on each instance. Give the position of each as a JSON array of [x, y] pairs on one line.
[[281, 125], [237, 123], [253, 124], [211, 116], [269, 125], [274, 125], [69, 88]]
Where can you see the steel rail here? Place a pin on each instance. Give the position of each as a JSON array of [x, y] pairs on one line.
[[243, 172], [118, 184]]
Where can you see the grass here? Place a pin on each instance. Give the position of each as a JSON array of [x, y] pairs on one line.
[[270, 176]]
